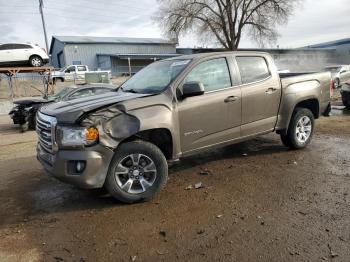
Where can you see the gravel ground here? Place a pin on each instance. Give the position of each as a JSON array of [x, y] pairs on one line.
[[260, 202]]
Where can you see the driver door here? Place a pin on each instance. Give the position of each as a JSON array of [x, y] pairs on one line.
[[69, 73], [215, 116]]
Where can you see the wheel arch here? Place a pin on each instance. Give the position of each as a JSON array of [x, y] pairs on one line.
[[160, 137], [311, 103], [32, 55]]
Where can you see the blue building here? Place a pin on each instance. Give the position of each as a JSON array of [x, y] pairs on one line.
[[109, 53], [341, 47]]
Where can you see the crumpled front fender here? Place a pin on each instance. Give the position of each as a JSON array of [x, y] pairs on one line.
[[113, 124]]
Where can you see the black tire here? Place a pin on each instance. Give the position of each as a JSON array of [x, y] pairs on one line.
[[291, 139], [36, 61], [346, 102], [32, 121], [123, 152]]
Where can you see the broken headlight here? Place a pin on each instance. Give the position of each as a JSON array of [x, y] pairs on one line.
[[77, 136]]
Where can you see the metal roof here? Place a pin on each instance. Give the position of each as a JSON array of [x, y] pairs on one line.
[[140, 56], [111, 40], [331, 43]]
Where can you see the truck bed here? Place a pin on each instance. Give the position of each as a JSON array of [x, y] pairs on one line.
[[305, 82]]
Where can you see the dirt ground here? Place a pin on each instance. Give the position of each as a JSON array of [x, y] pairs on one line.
[[260, 202]]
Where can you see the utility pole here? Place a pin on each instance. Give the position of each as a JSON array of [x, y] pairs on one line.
[[41, 5]]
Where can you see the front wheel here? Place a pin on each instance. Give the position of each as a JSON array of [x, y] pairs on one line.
[[32, 120], [137, 172], [300, 129]]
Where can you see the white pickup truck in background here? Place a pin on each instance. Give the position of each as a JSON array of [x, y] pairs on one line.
[[74, 73]]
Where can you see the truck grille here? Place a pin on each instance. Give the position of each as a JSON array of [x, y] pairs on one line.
[[46, 127]]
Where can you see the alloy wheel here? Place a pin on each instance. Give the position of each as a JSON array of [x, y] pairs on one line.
[[135, 173], [303, 129]]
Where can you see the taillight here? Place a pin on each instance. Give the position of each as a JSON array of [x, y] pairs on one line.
[[331, 87]]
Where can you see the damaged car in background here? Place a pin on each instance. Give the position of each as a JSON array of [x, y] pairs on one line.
[[345, 94], [340, 74], [25, 109], [171, 109]]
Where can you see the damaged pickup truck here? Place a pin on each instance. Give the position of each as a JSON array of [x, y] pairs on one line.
[[171, 109]]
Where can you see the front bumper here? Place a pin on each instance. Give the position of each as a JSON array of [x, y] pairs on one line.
[[96, 159], [18, 116]]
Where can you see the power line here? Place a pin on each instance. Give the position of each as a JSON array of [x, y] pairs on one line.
[[64, 16], [84, 7], [18, 12], [94, 14], [109, 4]]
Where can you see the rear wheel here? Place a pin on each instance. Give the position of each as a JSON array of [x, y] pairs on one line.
[[36, 61], [300, 129], [137, 172], [346, 101]]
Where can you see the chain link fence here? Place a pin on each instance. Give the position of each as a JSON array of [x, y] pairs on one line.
[[23, 85]]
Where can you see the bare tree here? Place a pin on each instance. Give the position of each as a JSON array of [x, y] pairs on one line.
[[225, 20]]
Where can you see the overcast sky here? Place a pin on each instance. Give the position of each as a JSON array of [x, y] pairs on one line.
[[315, 21]]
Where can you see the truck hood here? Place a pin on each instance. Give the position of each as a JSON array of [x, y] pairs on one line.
[[57, 73], [30, 100], [69, 111]]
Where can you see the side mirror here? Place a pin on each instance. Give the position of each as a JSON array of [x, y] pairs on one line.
[[192, 89]]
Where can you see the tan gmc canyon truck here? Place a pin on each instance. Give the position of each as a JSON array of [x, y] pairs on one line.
[[171, 109]]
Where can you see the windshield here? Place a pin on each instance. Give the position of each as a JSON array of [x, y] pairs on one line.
[[61, 93], [155, 78]]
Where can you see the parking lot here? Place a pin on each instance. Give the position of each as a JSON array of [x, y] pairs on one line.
[[258, 201]]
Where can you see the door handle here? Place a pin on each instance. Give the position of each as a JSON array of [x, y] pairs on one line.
[[271, 90], [231, 99]]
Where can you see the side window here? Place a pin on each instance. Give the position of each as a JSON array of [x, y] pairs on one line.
[[5, 47], [70, 69], [81, 68], [21, 46], [214, 74], [81, 93], [99, 91], [252, 68], [17, 46]]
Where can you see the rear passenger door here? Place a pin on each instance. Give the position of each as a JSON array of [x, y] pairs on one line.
[[261, 94], [21, 52], [215, 116]]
